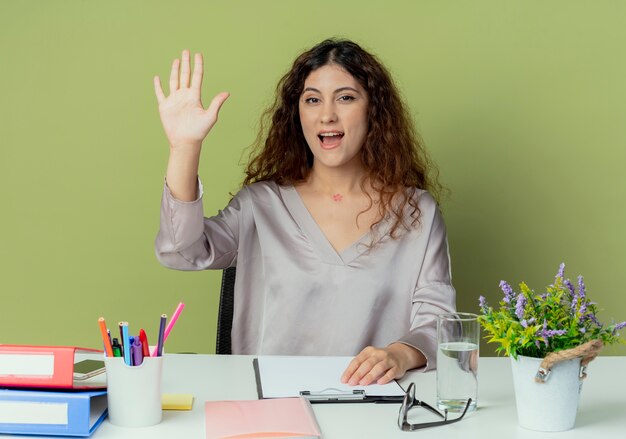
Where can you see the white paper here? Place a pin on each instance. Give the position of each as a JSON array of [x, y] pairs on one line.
[[30, 364], [283, 376], [23, 412]]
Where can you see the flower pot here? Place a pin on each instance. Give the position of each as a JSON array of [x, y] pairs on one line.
[[548, 406]]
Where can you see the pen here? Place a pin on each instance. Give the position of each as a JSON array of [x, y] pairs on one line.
[[126, 343], [105, 337], [158, 352], [131, 340], [137, 352], [145, 349], [121, 339], [172, 322]]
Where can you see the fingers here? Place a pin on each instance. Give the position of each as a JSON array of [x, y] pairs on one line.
[[216, 104], [180, 74], [185, 69], [352, 367], [198, 71], [174, 75], [373, 370], [371, 366], [158, 91], [391, 375]]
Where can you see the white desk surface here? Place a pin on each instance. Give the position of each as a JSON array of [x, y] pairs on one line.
[[601, 414]]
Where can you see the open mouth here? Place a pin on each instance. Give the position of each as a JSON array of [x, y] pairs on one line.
[[330, 139]]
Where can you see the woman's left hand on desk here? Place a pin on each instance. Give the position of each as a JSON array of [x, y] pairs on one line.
[[382, 365]]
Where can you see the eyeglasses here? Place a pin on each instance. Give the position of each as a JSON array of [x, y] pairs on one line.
[[409, 402]]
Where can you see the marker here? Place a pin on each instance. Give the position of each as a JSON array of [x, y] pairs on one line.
[[117, 349], [105, 337], [121, 339], [158, 351], [145, 348], [126, 343], [172, 322], [137, 352]]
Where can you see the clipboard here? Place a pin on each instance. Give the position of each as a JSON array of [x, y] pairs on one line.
[[316, 379]]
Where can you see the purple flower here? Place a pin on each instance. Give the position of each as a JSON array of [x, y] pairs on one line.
[[570, 287], [482, 302], [547, 334], [524, 323], [554, 332], [618, 327], [583, 329], [582, 311], [594, 319], [519, 306], [581, 287], [574, 303], [507, 290], [561, 271]]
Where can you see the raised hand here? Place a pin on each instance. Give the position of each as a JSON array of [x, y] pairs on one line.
[[184, 119], [186, 123]]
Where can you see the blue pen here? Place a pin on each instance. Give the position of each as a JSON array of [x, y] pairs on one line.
[[124, 326], [131, 340], [159, 351]]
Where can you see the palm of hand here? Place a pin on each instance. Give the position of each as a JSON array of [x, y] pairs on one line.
[[184, 119]]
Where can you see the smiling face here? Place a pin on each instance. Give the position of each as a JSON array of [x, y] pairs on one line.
[[333, 114]]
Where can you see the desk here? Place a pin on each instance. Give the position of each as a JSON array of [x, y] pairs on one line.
[[601, 414]]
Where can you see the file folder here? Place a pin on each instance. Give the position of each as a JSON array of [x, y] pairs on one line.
[[46, 367], [268, 418], [317, 379], [52, 412]]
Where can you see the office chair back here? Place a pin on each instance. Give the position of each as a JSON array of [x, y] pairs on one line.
[[225, 312]]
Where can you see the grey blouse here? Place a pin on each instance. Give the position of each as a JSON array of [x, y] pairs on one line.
[[294, 293]]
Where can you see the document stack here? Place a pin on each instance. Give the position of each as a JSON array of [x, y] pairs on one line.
[[43, 390]]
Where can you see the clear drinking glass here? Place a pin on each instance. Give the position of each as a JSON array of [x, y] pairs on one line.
[[457, 361]]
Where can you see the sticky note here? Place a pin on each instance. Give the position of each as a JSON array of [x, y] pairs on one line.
[[176, 401]]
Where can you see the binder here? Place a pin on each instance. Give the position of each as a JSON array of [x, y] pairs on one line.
[[51, 412], [46, 367], [318, 380]]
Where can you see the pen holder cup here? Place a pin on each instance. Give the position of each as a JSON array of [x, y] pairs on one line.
[[134, 392]]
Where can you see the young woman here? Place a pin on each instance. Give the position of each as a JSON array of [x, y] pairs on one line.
[[339, 246]]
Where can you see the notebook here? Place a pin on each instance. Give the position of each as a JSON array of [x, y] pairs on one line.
[[266, 418]]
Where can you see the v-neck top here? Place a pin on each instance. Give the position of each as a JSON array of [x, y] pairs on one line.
[[294, 293]]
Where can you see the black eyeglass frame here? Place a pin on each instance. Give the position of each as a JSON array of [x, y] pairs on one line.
[[409, 402]]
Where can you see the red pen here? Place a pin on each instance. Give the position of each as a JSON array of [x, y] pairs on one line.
[[144, 343]]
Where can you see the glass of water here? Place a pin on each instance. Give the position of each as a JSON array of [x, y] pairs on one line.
[[457, 361]]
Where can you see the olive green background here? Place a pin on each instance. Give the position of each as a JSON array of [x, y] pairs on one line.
[[521, 103]]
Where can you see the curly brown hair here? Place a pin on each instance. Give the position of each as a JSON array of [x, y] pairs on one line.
[[394, 159]]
